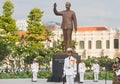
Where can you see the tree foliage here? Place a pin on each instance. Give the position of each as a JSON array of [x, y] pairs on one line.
[[34, 22], [27, 47], [103, 61], [7, 22], [8, 8], [36, 34], [7, 30], [60, 45]]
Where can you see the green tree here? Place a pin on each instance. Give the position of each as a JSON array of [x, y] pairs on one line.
[[8, 8], [8, 23], [104, 60], [6, 45], [0, 22], [89, 61], [7, 30], [60, 45], [35, 27], [36, 34]]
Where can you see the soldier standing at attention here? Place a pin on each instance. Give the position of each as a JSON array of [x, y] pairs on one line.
[[81, 70], [96, 68], [34, 68], [70, 67]]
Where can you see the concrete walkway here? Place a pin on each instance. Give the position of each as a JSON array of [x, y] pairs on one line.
[[44, 81]]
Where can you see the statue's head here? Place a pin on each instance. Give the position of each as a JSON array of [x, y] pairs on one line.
[[68, 5]]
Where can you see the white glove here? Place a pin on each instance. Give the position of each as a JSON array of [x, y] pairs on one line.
[[74, 76], [63, 75]]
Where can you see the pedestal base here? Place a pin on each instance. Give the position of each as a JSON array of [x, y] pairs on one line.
[[57, 67]]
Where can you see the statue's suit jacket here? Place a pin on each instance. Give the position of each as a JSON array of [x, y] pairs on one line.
[[68, 18]]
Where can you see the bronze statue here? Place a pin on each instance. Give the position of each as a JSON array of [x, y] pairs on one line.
[[68, 23]]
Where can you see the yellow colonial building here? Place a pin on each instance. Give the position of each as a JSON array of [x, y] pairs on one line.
[[93, 41]]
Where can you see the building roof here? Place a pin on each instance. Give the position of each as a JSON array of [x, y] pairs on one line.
[[83, 28], [91, 28], [20, 33], [79, 29], [51, 27]]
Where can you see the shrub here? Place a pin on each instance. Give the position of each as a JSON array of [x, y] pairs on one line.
[[41, 74], [46, 74], [102, 75]]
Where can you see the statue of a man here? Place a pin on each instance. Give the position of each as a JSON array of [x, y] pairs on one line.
[[68, 23]]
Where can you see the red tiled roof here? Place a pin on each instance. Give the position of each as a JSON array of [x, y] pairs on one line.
[[51, 27], [79, 29], [20, 33], [91, 28]]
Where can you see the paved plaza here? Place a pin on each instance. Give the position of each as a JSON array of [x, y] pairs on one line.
[[44, 81]]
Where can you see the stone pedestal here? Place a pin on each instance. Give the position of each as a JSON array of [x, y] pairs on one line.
[[57, 67]]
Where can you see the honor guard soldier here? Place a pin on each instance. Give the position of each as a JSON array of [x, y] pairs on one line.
[[96, 69], [70, 67], [81, 70], [34, 68]]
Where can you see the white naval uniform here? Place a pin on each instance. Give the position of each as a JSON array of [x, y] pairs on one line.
[[96, 68], [81, 70], [34, 68], [70, 69]]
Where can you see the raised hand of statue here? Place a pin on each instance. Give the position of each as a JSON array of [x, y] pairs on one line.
[[55, 5]]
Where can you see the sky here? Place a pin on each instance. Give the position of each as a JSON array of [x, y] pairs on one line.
[[88, 12]]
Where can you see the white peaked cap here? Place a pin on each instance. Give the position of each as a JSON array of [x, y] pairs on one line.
[[35, 59], [69, 49], [96, 60]]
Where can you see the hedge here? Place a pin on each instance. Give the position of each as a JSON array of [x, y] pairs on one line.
[[45, 74], [41, 74]]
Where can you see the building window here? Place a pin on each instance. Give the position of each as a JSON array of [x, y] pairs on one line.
[[107, 44], [89, 44], [116, 43], [81, 44], [98, 44]]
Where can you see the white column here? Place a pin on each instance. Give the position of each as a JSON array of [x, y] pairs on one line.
[[86, 44], [93, 41], [103, 43], [111, 43]]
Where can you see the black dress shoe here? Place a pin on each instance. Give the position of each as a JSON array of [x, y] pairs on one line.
[[80, 82], [34, 81]]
